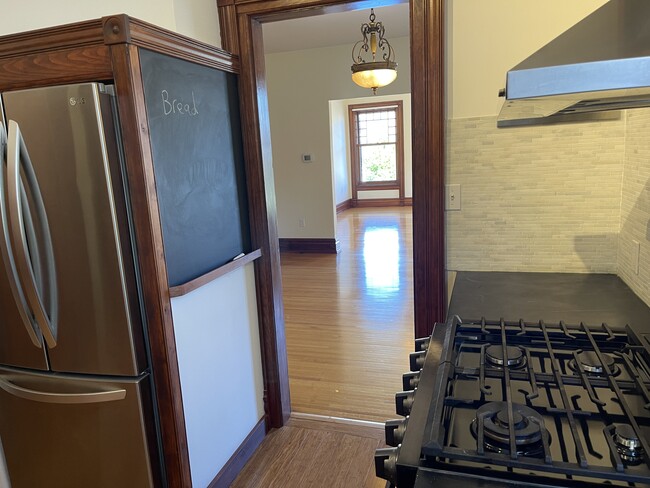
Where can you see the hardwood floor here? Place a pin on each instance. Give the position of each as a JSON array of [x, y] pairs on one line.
[[349, 317], [311, 452]]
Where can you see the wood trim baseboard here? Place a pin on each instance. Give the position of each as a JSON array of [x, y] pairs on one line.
[[185, 288], [383, 202], [325, 246], [344, 205], [238, 460]]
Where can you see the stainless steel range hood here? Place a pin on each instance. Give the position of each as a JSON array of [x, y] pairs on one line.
[[600, 64]]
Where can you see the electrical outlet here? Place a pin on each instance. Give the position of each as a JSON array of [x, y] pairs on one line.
[[452, 197], [636, 250], [302, 222]]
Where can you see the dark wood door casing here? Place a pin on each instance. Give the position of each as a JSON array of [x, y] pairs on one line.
[[241, 34]]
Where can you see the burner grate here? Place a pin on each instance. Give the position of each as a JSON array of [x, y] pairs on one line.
[[554, 363]]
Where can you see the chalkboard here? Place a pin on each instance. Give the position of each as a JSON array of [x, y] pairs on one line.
[[195, 131]]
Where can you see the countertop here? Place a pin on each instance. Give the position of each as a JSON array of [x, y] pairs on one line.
[[571, 297]]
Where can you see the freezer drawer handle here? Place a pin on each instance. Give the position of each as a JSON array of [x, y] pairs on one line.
[[17, 152], [68, 398], [7, 254]]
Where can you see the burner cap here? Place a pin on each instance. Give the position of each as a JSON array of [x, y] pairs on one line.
[[591, 364], [494, 355], [527, 424], [628, 444], [502, 418], [626, 437]]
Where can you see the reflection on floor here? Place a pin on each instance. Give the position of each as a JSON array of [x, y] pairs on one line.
[[311, 452], [349, 317]]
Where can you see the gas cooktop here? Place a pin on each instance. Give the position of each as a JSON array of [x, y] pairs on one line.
[[525, 403]]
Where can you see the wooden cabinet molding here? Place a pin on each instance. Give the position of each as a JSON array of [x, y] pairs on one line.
[[123, 29], [107, 50], [79, 52], [241, 33]]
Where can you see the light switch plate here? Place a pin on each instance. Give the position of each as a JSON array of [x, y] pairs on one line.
[[452, 197]]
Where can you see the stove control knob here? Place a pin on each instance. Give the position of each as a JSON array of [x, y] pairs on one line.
[[410, 380], [422, 344], [416, 360], [386, 463], [404, 402], [395, 430]]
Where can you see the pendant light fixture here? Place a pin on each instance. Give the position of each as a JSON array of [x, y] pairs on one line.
[[373, 58]]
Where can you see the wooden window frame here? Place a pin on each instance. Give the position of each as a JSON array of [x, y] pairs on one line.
[[355, 162]]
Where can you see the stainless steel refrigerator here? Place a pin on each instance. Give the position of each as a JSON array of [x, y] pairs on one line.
[[75, 402]]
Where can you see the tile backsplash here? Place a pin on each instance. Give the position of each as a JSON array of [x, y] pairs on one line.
[[562, 198], [543, 198], [635, 205]]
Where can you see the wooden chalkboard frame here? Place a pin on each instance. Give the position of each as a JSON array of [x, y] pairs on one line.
[[190, 286]]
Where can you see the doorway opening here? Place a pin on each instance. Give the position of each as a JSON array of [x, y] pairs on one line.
[[241, 29], [347, 276]]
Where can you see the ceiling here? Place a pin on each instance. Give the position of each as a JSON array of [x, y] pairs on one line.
[[332, 29]]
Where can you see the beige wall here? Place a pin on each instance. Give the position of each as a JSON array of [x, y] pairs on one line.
[[488, 37], [635, 205], [300, 85], [194, 18]]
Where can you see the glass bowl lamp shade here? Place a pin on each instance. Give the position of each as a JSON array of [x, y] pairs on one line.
[[373, 58], [374, 75]]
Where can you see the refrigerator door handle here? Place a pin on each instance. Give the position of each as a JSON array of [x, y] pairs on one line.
[[17, 153], [7, 253], [65, 398]]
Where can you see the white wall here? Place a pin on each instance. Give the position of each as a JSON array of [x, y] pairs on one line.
[[218, 346], [193, 18], [300, 85], [486, 38], [339, 140], [198, 19]]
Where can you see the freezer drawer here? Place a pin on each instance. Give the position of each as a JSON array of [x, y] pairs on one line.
[[63, 431]]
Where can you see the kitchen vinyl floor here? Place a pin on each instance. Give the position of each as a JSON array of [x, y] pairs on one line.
[[349, 317], [312, 452]]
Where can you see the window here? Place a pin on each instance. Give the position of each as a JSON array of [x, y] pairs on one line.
[[376, 144]]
